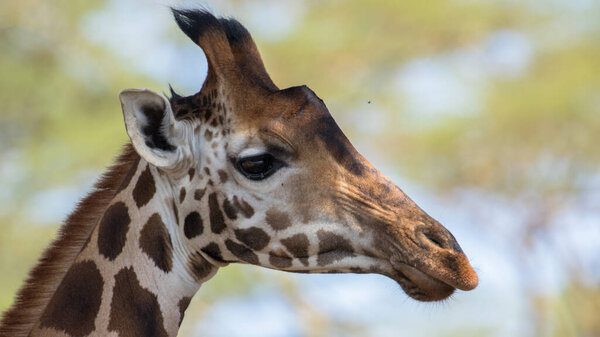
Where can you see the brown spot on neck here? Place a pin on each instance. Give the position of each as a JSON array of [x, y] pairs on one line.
[[112, 230], [155, 241], [129, 175], [182, 305], [134, 311], [145, 188], [175, 211], [193, 225], [198, 194], [182, 195], [76, 302], [200, 267], [191, 173]]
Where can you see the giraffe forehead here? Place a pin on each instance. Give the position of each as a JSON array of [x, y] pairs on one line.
[[286, 113], [285, 122], [250, 141], [311, 136]]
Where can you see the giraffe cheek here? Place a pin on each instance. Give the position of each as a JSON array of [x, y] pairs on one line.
[[277, 220], [254, 237]]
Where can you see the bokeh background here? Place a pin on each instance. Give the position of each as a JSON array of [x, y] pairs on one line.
[[487, 113]]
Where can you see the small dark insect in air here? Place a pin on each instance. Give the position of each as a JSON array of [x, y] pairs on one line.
[[369, 102]]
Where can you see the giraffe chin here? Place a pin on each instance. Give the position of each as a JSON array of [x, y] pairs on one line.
[[419, 285]]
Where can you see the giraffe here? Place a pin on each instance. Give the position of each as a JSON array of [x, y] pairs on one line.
[[241, 172]]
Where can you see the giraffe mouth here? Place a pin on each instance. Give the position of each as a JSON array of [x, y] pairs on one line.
[[419, 285]]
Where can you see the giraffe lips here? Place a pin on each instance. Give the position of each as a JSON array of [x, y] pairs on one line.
[[436, 277], [419, 285]]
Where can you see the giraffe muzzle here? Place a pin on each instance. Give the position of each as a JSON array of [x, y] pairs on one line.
[[421, 254], [434, 266]]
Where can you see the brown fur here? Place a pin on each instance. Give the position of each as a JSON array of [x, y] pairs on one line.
[[44, 278]]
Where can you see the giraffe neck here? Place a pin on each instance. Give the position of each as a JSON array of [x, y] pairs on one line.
[[135, 275]]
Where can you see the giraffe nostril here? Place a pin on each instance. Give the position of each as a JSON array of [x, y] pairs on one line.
[[430, 236], [436, 242], [437, 236]]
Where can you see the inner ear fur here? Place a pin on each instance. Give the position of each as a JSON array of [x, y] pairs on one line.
[[151, 126]]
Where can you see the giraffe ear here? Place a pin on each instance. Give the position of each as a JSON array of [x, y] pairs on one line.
[[151, 126]]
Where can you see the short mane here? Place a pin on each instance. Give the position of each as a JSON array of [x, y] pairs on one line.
[[44, 278]]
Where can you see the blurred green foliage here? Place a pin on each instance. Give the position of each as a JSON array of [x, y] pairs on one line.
[[534, 137], [59, 116]]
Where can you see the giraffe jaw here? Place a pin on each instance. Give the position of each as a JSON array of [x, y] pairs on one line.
[[419, 285]]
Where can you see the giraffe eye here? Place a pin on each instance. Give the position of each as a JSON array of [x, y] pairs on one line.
[[258, 167]]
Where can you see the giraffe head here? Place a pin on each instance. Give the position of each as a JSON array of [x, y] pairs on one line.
[[265, 176]]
